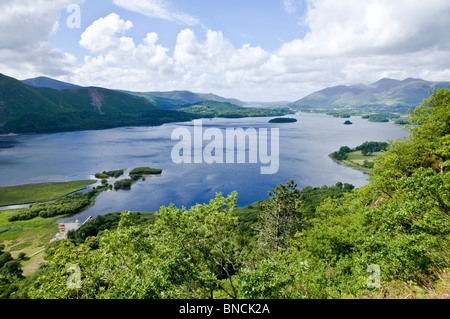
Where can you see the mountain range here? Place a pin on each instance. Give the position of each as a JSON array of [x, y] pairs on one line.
[[45, 82], [43, 104], [169, 100], [385, 95]]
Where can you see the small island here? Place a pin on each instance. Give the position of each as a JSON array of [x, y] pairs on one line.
[[140, 172], [135, 175], [283, 120], [348, 122], [109, 174]]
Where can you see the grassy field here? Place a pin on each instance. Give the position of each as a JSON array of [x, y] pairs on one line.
[[28, 236], [24, 194], [356, 160]]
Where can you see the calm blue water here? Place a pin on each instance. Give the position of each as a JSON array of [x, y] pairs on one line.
[[304, 149]]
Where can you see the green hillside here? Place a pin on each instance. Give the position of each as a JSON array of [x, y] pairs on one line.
[[43, 81], [181, 98], [17, 99], [25, 109], [29, 109]]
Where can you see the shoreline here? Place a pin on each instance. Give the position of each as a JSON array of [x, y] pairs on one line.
[[361, 169]]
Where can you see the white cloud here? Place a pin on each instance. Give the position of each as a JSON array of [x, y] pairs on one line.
[[361, 41], [347, 42], [100, 36], [116, 61], [161, 9], [375, 26], [105, 36], [290, 6], [24, 47], [211, 56]]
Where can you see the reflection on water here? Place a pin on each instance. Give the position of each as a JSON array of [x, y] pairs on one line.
[[304, 150]]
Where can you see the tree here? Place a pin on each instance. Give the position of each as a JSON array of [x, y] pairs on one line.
[[11, 269], [184, 254], [279, 219], [4, 258], [204, 240], [427, 146], [430, 127]]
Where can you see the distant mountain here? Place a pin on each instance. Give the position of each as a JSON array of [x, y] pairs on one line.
[[44, 105], [167, 100], [384, 95], [27, 109], [44, 82], [175, 99]]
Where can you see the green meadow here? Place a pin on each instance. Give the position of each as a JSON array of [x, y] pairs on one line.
[[33, 193]]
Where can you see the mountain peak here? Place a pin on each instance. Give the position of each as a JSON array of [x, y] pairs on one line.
[[45, 82], [408, 80], [385, 80]]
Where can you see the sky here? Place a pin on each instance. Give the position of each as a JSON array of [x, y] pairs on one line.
[[252, 50]]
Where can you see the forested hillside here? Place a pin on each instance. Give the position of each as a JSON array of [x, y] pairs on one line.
[[25, 109], [47, 106], [389, 239]]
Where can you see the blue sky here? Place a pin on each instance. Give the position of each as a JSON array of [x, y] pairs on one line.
[[253, 50], [258, 22]]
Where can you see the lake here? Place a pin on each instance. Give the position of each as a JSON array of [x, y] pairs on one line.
[[304, 149]]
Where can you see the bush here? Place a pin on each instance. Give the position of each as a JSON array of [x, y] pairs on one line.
[[69, 205], [123, 184]]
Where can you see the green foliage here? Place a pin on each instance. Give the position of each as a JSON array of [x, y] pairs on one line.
[[185, 253], [279, 219], [35, 122], [68, 205], [139, 172], [368, 148], [341, 114], [312, 243], [342, 154], [381, 117], [10, 275], [108, 174], [368, 164], [401, 122], [283, 120], [427, 146], [44, 110], [123, 184], [209, 109], [107, 222], [430, 128]]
